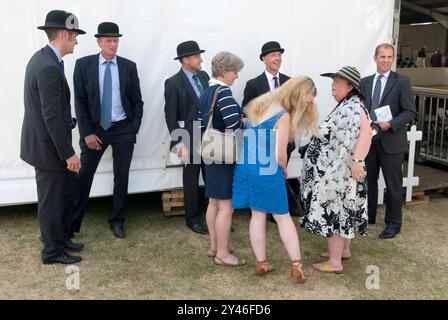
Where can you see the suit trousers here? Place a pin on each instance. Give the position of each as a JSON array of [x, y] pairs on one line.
[[55, 194], [121, 137], [392, 167], [190, 177]]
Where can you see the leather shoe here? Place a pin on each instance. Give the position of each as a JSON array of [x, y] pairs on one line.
[[389, 233], [198, 228], [63, 258], [372, 221], [118, 231], [70, 245]]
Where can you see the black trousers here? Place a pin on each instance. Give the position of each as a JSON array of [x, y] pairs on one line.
[[190, 178], [292, 204], [55, 197], [392, 167], [121, 137]]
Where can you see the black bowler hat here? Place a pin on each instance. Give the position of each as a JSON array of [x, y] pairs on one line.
[[58, 19], [188, 48], [271, 46], [108, 29]]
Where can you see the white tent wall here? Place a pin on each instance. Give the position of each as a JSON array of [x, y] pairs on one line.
[[319, 36]]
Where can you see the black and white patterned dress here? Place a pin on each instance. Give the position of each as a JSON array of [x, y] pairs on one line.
[[334, 203]]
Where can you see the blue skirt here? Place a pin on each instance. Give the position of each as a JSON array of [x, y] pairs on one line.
[[219, 180]]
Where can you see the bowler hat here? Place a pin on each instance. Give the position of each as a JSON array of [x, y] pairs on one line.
[[108, 29], [58, 19], [351, 74], [188, 48], [271, 46]]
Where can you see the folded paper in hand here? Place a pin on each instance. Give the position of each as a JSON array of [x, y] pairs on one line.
[[384, 114]]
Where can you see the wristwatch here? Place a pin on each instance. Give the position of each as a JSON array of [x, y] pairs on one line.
[[357, 160]]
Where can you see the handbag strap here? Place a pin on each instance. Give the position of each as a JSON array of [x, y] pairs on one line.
[[212, 107]]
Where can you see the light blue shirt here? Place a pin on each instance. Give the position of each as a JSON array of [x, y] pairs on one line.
[[56, 51], [383, 82], [193, 83], [118, 113]]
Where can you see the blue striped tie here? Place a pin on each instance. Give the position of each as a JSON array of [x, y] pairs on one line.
[[198, 85], [106, 105], [376, 98]]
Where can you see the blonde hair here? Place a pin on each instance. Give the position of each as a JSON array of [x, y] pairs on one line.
[[226, 61], [291, 96]]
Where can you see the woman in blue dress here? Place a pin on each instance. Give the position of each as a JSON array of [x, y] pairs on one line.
[[259, 181], [219, 176]]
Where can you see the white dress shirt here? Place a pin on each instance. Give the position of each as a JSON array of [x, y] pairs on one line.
[[271, 80]]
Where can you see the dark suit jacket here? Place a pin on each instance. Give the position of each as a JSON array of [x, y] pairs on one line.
[[181, 102], [87, 93], [258, 86], [398, 95], [46, 131]]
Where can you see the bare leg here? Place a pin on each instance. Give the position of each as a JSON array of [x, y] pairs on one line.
[[222, 225], [210, 216], [335, 248], [257, 231], [346, 253], [289, 236]]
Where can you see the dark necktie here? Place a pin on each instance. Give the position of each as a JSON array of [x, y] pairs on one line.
[[376, 99], [106, 105], [61, 65], [198, 84], [276, 85]]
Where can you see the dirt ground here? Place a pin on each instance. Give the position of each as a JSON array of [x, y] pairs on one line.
[[162, 259]]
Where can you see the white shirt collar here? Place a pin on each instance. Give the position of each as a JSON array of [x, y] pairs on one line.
[[386, 75], [213, 81], [102, 59], [270, 76]]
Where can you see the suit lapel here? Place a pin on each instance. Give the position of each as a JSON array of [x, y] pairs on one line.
[[203, 80], [368, 90], [283, 78], [187, 85], [66, 88], [390, 83], [94, 67], [264, 84], [122, 75]]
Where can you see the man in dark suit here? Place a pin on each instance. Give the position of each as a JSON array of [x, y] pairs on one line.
[[182, 93], [109, 109], [269, 80], [46, 141], [387, 90]]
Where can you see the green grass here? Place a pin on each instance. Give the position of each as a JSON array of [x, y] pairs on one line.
[[162, 259]]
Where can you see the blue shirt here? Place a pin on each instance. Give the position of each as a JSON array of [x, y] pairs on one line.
[[56, 51], [117, 105], [193, 83]]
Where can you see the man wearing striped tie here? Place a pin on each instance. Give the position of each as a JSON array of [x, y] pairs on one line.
[[271, 78], [109, 109], [182, 93], [390, 102]]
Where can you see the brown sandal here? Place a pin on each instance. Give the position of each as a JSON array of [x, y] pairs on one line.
[[238, 262], [263, 268], [212, 253], [297, 272]]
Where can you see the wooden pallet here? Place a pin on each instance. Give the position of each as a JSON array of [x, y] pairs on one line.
[[418, 197], [173, 203]]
